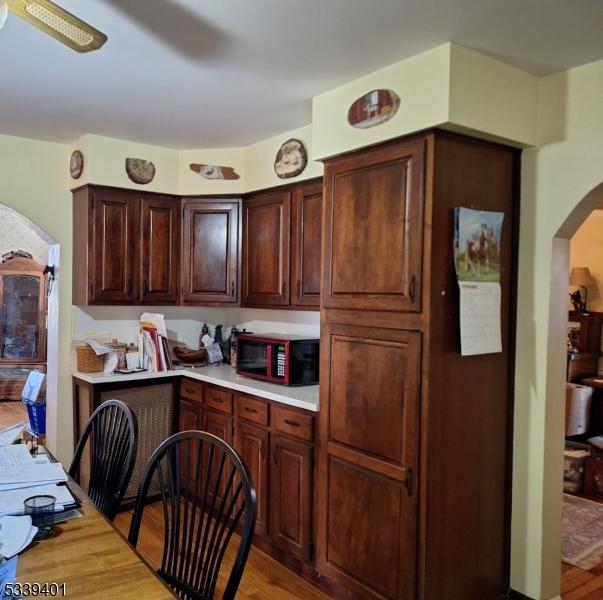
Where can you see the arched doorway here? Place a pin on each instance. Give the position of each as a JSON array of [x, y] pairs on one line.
[[557, 354], [19, 232]]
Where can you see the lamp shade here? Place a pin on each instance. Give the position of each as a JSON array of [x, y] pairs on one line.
[[581, 276]]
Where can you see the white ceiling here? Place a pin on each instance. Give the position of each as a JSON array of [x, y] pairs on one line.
[[203, 74]]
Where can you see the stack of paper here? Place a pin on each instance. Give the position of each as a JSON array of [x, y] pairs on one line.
[[16, 533], [21, 476]]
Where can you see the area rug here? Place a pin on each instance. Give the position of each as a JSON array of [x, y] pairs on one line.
[[582, 541]]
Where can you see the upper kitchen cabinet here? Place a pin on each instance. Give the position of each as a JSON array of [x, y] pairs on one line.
[[373, 224], [159, 245], [125, 247], [266, 248], [306, 221], [211, 250], [282, 247]]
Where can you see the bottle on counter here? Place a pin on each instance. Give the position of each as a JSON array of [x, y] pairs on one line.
[[204, 332]]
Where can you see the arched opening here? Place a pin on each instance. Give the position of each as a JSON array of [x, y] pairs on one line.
[[17, 232], [557, 354]]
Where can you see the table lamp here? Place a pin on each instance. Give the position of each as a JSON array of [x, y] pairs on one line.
[[581, 277]]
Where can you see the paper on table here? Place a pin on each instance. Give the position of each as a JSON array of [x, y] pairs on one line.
[[11, 501], [33, 473], [15, 455], [10, 434], [16, 533]]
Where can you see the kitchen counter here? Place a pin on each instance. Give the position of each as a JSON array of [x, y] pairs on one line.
[[224, 375]]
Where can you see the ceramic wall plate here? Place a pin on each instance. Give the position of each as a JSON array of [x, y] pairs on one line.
[[139, 170], [76, 164], [291, 159], [214, 171], [375, 108]]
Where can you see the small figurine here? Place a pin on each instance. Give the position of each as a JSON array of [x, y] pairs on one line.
[[576, 299]]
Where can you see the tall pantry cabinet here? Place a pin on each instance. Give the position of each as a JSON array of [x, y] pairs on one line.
[[414, 438]]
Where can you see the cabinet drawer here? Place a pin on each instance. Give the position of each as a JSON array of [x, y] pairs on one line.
[[252, 409], [218, 399], [191, 390], [293, 423]]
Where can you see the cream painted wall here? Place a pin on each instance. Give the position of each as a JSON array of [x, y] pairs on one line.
[[17, 233], [105, 158], [491, 97], [34, 183], [586, 250], [422, 82], [559, 190]]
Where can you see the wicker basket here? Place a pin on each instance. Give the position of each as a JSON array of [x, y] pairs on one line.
[[88, 361]]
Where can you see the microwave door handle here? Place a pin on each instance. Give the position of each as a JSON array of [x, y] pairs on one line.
[[269, 360]]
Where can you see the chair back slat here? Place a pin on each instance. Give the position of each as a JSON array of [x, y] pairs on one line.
[[206, 494], [111, 435]]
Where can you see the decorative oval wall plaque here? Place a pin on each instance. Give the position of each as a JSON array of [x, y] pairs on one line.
[[139, 170], [375, 108], [214, 172], [76, 164], [291, 159]]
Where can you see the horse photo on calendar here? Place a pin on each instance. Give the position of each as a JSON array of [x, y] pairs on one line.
[[477, 244]]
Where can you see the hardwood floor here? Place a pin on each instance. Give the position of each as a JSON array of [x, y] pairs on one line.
[[263, 579], [12, 413]]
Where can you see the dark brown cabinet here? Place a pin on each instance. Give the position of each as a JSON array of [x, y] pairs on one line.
[[159, 250], [211, 251], [253, 446], [282, 247], [306, 232], [276, 442], [392, 526], [266, 249], [125, 247], [374, 227], [291, 495]]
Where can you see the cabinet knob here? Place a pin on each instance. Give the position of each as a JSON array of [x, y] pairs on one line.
[[232, 288], [145, 287], [284, 289], [299, 288], [250, 410], [291, 423], [411, 288], [218, 400]]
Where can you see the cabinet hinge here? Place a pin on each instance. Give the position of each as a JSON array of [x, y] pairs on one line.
[[409, 480]]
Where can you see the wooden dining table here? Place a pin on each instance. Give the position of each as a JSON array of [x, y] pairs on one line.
[[92, 559]]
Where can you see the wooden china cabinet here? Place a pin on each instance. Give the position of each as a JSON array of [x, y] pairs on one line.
[[22, 323]]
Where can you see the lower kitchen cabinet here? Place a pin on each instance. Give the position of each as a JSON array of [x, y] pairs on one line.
[[220, 425], [291, 496], [276, 443], [252, 443]]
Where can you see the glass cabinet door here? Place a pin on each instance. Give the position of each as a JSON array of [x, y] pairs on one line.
[[20, 318]]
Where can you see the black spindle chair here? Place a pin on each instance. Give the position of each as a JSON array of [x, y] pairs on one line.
[[112, 434], [206, 494]]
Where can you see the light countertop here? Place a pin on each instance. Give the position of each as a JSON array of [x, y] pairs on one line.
[[305, 396]]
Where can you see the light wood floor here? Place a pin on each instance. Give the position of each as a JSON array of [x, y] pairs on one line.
[[263, 579], [266, 579]]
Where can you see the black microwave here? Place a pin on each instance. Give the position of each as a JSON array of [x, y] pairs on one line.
[[279, 358]]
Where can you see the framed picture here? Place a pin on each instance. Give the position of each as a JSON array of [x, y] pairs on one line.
[[291, 159]]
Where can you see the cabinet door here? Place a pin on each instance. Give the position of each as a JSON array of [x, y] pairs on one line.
[[373, 228], [114, 242], [368, 460], [220, 425], [159, 249], [190, 418], [252, 445], [210, 252], [266, 249], [291, 496], [306, 232]]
